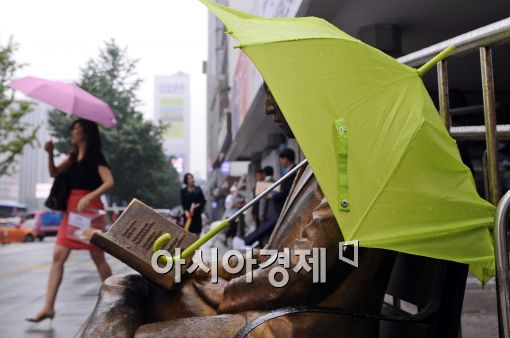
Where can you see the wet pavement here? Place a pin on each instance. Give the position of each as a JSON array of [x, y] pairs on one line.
[[24, 271], [479, 313]]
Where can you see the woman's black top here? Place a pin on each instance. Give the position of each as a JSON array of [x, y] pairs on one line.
[[194, 196], [84, 174]]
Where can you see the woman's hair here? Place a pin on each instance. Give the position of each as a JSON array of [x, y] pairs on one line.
[[185, 179], [91, 133]]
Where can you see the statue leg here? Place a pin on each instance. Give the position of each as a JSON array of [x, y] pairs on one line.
[[124, 303], [219, 326], [127, 302], [112, 315], [227, 325]]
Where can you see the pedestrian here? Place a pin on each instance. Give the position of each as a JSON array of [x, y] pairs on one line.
[[229, 200], [236, 227], [267, 206], [287, 158], [255, 210], [274, 201], [88, 177], [193, 202]]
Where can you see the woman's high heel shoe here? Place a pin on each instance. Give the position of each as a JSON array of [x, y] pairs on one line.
[[40, 317]]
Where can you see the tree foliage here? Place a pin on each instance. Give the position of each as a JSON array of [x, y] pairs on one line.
[[133, 149], [15, 131]]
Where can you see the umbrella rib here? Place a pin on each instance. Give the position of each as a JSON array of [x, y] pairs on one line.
[[241, 46], [73, 106], [353, 41]]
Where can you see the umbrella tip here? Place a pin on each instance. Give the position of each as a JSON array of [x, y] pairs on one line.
[[436, 59]]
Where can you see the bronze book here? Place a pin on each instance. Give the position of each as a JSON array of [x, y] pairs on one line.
[[131, 237]]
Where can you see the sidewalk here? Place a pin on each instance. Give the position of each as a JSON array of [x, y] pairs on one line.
[[479, 313], [24, 271]]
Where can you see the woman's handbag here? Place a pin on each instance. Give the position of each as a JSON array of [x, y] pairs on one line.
[[59, 193]]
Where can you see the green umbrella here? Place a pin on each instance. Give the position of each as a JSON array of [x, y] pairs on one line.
[[389, 169]]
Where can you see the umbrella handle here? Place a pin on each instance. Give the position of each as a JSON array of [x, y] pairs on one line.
[[202, 240], [161, 240], [432, 62]]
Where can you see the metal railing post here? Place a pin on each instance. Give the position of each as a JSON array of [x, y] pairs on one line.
[[485, 174], [489, 108], [444, 102], [502, 266]]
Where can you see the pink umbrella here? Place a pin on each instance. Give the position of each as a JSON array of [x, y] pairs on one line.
[[68, 98]]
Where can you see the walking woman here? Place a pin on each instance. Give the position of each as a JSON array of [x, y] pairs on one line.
[[88, 177], [193, 202]]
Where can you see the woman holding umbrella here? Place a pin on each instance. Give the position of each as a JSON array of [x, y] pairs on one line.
[[193, 202], [88, 177]]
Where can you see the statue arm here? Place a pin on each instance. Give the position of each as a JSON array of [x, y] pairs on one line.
[[321, 231]]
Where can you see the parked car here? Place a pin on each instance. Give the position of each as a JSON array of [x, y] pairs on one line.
[[44, 223], [13, 230]]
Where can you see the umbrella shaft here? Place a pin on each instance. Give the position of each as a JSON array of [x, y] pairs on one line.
[[267, 191]]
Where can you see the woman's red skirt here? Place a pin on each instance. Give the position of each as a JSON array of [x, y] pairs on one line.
[[72, 204]]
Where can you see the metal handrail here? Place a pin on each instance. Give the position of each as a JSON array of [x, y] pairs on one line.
[[478, 132], [495, 33], [502, 266]]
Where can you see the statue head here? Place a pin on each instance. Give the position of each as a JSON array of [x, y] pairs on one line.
[[273, 110]]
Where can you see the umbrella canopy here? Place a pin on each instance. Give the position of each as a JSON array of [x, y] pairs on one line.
[[68, 98], [389, 169]]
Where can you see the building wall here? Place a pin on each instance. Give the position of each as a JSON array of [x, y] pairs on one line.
[[245, 100], [233, 82], [244, 78], [35, 181]]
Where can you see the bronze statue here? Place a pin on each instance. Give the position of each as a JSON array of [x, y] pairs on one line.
[[131, 306]]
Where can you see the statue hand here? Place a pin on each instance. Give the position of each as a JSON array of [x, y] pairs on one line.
[[200, 274]]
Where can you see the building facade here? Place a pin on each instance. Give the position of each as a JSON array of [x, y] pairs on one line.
[[172, 107]]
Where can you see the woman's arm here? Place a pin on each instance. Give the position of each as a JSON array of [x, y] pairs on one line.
[[107, 178], [55, 170]]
